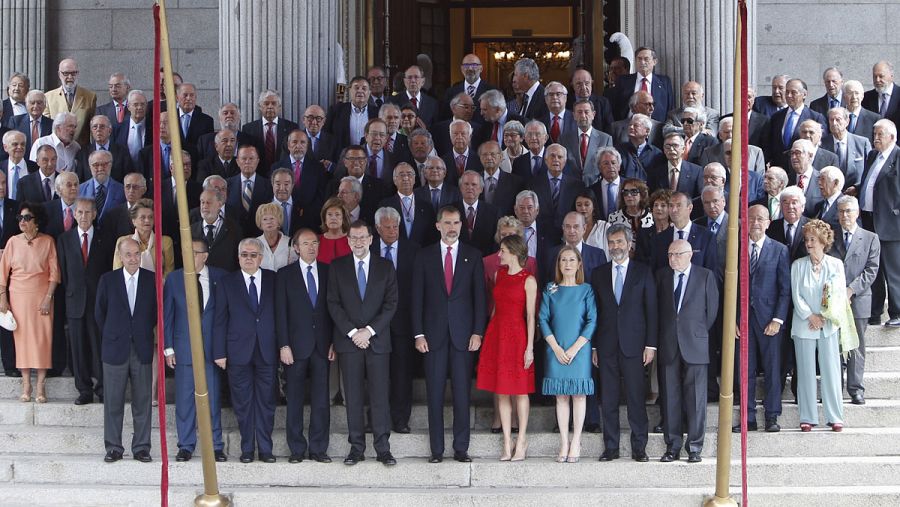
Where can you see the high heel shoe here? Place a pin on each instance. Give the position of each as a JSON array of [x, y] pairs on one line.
[[26, 393], [521, 450], [573, 458], [507, 452], [41, 396]]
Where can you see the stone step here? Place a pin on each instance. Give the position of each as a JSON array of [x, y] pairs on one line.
[[876, 413], [880, 336], [790, 442], [413, 474], [882, 359], [16, 495]]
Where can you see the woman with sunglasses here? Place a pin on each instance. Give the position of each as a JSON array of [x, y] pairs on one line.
[[29, 263], [634, 206]]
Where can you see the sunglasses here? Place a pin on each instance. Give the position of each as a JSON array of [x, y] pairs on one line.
[[688, 121], [24, 218], [631, 191]]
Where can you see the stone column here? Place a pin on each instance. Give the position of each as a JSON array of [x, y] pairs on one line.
[[279, 44], [23, 40], [694, 40]]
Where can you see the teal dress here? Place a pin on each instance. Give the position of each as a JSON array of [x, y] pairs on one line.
[[567, 313]]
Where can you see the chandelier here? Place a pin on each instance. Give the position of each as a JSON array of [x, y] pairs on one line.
[[546, 54]]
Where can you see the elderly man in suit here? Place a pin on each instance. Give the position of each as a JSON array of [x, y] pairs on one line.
[[101, 130], [770, 298], [638, 153], [321, 142], [271, 130], [830, 183], [811, 131], [117, 108], [71, 98], [85, 254], [851, 149], [472, 85], [448, 320], [702, 240], [63, 141], [785, 124], [583, 86], [416, 215], [379, 161], [527, 81], [861, 120], [692, 96], [16, 166], [804, 175], [179, 355], [645, 79], [859, 250], [583, 145], [303, 328], [480, 217], [500, 187], [530, 163], [436, 190], [40, 185], [106, 192], [539, 234], [688, 301], [222, 162], [133, 133], [33, 124], [770, 104], [492, 106], [222, 234], [426, 106], [244, 346], [833, 79], [463, 108], [625, 341], [248, 190], [461, 157], [346, 121], [17, 90], [362, 301], [558, 120], [640, 102], [674, 172], [884, 97], [555, 189], [194, 123], [378, 81], [125, 313], [716, 153], [309, 175], [693, 123]]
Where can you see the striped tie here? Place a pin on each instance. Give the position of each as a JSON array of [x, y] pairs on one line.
[[247, 195]]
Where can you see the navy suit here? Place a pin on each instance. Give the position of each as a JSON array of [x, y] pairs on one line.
[[775, 143], [537, 106], [22, 123], [244, 334], [309, 195], [30, 187], [338, 125], [115, 195], [449, 194], [7, 115], [421, 231], [870, 102], [703, 241], [177, 337], [569, 188], [765, 106], [690, 177], [660, 89], [485, 227], [822, 104], [200, 124], [634, 166], [257, 133], [262, 193]]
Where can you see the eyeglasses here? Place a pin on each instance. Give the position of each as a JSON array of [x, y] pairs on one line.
[[314, 118], [24, 218], [679, 254], [249, 255], [631, 191], [673, 146], [471, 65], [687, 121], [70, 73]]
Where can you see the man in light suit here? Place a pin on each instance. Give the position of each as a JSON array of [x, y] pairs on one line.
[[851, 149], [830, 183], [71, 98], [244, 346], [770, 298], [859, 250], [180, 357], [785, 124], [303, 328], [125, 313], [448, 321], [583, 145], [692, 96], [862, 121], [716, 153], [527, 81], [645, 79], [270, 131], [426, 106], [106, 192], [884, 97], [833, 79], [34, 121], [362, 301], [688, 300], [625, 341]]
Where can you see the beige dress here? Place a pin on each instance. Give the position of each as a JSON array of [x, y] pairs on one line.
[[30, 268]]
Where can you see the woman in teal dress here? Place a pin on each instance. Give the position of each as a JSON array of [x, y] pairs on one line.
[[567, 318]]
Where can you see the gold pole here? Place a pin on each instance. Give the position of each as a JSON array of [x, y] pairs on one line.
[[726, 386], [210, 496], [370, 35]]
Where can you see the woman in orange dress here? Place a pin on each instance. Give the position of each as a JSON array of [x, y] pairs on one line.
[[30, 274]]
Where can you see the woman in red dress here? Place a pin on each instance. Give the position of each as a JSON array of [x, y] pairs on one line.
[[505, 367], [335, 226]]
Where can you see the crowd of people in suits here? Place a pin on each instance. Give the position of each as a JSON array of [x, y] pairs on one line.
[[559, 246]]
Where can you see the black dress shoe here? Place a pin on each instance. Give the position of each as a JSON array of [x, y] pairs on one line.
[[84, 399], [694, 457], [772, 426], [295, 458], [462, 457], [403, 429], [857, 398], [246, 457], [874, 321], [609, 455], [13, 373], [221, 457], [319, 458], [112, 456], [368, 428], [435, 459], [498, 430], [657, 429], [593, 428], [142, 456], [267, 458], [640, 456], [387, 459], [751, 426], [354, 458], [669, 457], [184, 455]]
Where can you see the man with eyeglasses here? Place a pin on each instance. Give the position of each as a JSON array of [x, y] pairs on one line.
[[14, 105], [101, 130], [117, 108], [71, 98], [308, 177], [355, 163], [229, 119], [696, 139], [377, 78], [646, 80], [346, 121], [381, 160], [583, 144], [692, 95], [462, 108], [416, 215], [221, 233], [63, 140], [472, 85], [699, 237], [321, 142], [673, 172], [426, 106], [106, 192], [639, 103], [559, 121]]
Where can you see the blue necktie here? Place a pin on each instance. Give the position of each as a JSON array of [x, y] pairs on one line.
[[286, 225], [852, 127], [789, 129], [619, 284], [254, 296], [713, 227], [846, 240], [678, 291], [610, 199], [435, 198], [680, 234], [361, 280], [754, 258], [407, 215], [165, 155], [535, 164], [311, 286], [388, 255]]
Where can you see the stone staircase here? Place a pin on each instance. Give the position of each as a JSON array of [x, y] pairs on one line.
[[53, 453]]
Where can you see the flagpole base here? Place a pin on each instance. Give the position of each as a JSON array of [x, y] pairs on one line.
[[715, 501], [212, 501]]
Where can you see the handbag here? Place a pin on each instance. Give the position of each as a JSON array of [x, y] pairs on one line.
[[7, 321]]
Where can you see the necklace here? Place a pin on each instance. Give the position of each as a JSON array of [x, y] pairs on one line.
[[29, 240]]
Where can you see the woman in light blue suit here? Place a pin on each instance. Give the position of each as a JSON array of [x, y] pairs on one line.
[[815, 278]]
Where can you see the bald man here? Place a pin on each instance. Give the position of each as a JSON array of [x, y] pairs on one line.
[[472, 85], [71, 98]]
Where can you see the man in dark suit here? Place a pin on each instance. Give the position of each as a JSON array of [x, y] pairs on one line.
[[861, 121], [222, 234], [271, 130], [134, 133], [244, 346], [416, 215], [694, 124], [473, 86], [10, 228], [884, 98], [321, 142], [448, 320], [248, 190], [770, 299], [638, 153], [645, 79], [229, 119], [703, 241], [362, 301], [179, 355], [788, 230], [426, 106], [527, 81], [125, 313], [167, 198], [118, 219], [582, 88], [101, 129], [758, 124], [556, 191], [223, 161], [17, 91], [346, 121], [833, 79], [436, 190], [850, 149], [559, 121], [61, 210], [531, 163], [379, 161], [106, 192], [194, 123], [624, 341], [811, 131], [165, 159], [756, 162], [804, 175], [830, 183], [461, 157], [303, 328], [674, 170], [295, 215], [34, 121], [859, 250], [493, 109], [785, 124], [463, 108], [771, 104], [368, 191], [401, 253], [587, 139], [539, 234], [688, 300], [500, 187], [17, 167], [479, 217], [117, 108], [85, 254], [378, 80], [308, 179]]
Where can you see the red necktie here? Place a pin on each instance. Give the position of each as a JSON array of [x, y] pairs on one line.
[[687, 148], [644, 87], [415, 103], [554, 129], [448, 270], [584, 146], [460, 164], [495, 131], [298, 170], [35, 133], [270, 142], [84, 247], [120, 112], [69, 219], [800, 181], [470, 219]]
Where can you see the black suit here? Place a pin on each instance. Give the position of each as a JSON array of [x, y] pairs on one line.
[[8, 115], [660, 89], [223, 250], [213, 166], [206, 145], [427, 108], [473, 163], [462, 87], [374, 190], [257, 131], [485, 227], [22, 123], [569, 187], [775, 143], [797, 248], [351, 311], [537, 106], [507, 187], [201, 123], [449, 195], [192, 191], [338, 125], [122, 163], [262, 193], [758, 127], [870, 102], [146, 164], [31, 168], [603, 115], [422, 231], [322, 147], [305, 328], [485, 130], [440, 135]]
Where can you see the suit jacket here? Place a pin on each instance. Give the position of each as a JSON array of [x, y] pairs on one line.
[[631, 324], [122, 163], [857, 148], [238, 329], [587, 166], [484, 131], [797, 248], [8, 115], [569, 188], [448, 319], [591, 259], [770, 285], [828, 216], [865, 123], [427, 109], [690, 177], [175, 327], [120, 135], [712, 119], [660, 89], [776, 125], [716, 153], [886, 195], [537, 106], [758, 127], [310, 193], [440, 134], [79, 279], [701, 143], [870, 102], [22, 123], [115, 195], [689, 336], [257, 132], [206, 145], [405, 254], [603, 113], [810, 190], [31, 168], [83, 107], [55, 219], [262, 193], [298, 324], [213, 165], [423, 231], [449, 195], [567, 127], [861, 260], [119, 328], [721, 238], [820, 105], [619, 132], [10, 225], [374, 190], [764, 105], [223, 251], [323, 147], [201, 123], [522, 168], [350, 311], [634, 166], [482, 235], [508, 186], [704, 243], [822, 158], [146, 164], [109, 110], [461, 87], [170, 208], [473, 163], [338, 125]]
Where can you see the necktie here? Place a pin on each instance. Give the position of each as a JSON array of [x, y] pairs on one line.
[[407, 214], [120, 112], [13, 183], [524, 104], [773, 202], [885, 98], [673, 179], [298, 171], [436, 198], [210, 234], [832, 103], [311, 288], [200, 293], [846, 240], [68, 220], [644, 85], [373, 166], [247, 195], [470, 219], [610, 198], [270, 141], [495, 131], [529, 236], [619, 284], [388, 255], [714, 227], [852, 127], [800, 182], [286, 225], [100, 198], [584, 148], [681, 234], [379, 103], [687, 148], [254, 295], [788, 133], [842, 155], [132, 292], [35, 132], [415, 103], [185, 124], [84, 248], [313, 142], [460, 164], [70, 97], [390, 144], [824, 209], [361, 280], [790, 234], [448, 269], [167, 149], [678, 290], [135, 141], [471, 91], [535, 164], [491, 187], [554, 191], [554, 129], [754, 257]]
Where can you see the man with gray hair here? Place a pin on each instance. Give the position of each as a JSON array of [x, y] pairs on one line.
[[16, 166], [527, 81], [17, 89], [851, 149], [803, 174], [461, 157], [810, 130], [788, 230], [194, 122], [33, 124], [716, 153], [692, 96], [106, 192], [395, 143], [884, 97], [492, 106], [117, 108], [638, 153], [271, 130], [639, 103], [693, 121], [833, 79], [222, 234], [462, 107], [229, 118], [134, 133], [479, 218], [222, 162], [101, 130], [531, 163], [62, 139], [861, 120], [30, 186], [426, 106], [61, 212], [830, 183], [559, 122], [774, 181]]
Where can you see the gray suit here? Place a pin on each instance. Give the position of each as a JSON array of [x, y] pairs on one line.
[[860, 259], [855, 159], [756, 162], [587, 167]]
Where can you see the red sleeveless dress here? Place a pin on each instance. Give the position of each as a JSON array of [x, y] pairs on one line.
[[502, 360]]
